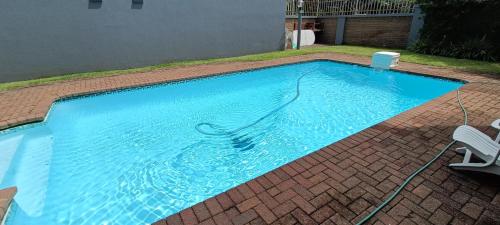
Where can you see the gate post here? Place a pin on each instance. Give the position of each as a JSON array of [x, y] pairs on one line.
[[339, 33], [417, 23]]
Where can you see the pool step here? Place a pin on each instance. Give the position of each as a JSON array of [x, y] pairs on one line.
[[6, 196]]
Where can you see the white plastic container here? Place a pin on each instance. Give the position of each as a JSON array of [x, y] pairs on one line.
[[307, 38], [385, 60]]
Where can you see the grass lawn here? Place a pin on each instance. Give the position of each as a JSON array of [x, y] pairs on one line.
[[406, 56]]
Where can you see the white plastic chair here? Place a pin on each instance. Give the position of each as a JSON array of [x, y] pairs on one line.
[[481, 145]]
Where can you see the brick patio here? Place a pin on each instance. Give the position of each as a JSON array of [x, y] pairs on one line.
[[343, 182]]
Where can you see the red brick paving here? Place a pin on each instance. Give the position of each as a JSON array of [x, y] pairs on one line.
[[340, 183], [6, 196]]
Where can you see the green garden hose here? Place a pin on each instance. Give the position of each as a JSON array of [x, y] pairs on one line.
[[414, 174]]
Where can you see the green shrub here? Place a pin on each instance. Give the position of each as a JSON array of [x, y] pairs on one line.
[[460, 28]]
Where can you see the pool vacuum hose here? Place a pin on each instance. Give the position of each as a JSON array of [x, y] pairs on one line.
[[414, 174], [219, 131]]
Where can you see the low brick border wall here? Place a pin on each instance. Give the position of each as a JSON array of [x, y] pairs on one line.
[[339, 183]]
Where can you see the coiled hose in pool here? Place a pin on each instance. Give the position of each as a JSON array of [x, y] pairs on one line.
[[219, 130], [414, 174]]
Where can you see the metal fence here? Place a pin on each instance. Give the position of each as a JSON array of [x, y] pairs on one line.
[[318, 8]]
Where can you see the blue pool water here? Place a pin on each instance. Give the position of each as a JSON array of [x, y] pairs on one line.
[[136, 156]]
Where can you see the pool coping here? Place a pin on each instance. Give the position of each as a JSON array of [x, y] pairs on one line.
[[4, 125], [54, 96], [6, 197]]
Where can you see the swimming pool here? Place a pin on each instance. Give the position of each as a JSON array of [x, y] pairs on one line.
[[136, 156]]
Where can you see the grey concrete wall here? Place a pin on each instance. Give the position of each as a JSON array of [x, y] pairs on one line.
[[50, 37]]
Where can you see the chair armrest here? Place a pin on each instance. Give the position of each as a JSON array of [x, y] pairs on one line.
[[496, 124]]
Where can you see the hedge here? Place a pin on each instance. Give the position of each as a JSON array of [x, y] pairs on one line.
[[461, 29]]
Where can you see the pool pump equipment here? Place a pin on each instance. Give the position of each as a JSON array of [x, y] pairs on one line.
[[385, 60]]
